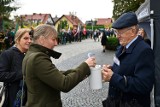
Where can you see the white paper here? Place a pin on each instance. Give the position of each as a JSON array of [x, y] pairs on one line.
[[95, 79], [116, 60]]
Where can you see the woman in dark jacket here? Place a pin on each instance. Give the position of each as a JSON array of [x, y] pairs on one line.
[[143, 33], [11, 65]]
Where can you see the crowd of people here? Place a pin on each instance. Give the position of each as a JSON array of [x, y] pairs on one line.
[[27, 62], [64, 36], [76, 35]]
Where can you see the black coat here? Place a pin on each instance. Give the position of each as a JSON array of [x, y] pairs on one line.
[[11, 72], [133, 73], [103, 39]]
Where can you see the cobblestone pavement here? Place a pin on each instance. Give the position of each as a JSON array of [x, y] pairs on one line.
[[72, 55]]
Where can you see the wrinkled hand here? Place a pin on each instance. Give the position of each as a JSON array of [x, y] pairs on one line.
[[91, 61], [106, 73]]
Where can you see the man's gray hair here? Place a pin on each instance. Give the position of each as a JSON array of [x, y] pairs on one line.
[[137, 28], [44, 30]]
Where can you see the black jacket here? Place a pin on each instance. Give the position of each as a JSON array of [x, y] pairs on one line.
[[103, 39], [11, 71]]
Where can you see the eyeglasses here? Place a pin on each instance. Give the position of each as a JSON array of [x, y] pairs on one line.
[[120, 33]]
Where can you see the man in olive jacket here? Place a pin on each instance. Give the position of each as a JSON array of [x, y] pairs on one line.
[[44, 81]]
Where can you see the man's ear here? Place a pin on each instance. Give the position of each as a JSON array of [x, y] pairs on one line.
[[133, 30]]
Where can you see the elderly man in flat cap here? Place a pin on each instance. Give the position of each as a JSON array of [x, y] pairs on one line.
[[131, 77]]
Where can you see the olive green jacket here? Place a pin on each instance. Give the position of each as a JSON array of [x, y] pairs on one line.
[[44, 81]]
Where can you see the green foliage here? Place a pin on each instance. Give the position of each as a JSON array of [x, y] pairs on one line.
[[8, 24], [5, 10], [95, 27], [112, 43], [63, 25], [122, 6]]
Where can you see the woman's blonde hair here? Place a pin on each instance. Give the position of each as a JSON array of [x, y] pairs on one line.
[[144, 33], [20, 33], [44, 30]]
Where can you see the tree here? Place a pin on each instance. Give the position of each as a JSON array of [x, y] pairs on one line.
[[122, 6], [5, 7], [5, 10], [62, 25]]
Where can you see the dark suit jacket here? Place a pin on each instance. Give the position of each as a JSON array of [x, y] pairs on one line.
[[134, 76]]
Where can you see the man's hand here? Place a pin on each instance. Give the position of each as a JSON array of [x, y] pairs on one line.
[[106, 73]]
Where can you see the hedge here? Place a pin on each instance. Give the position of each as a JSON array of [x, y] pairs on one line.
[[112, 43]]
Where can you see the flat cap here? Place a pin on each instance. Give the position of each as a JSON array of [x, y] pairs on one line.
[[125, 20]]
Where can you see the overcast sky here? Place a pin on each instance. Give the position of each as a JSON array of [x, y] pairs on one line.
[[84, 9]]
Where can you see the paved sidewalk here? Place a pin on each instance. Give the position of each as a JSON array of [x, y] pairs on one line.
[[72, 55]]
